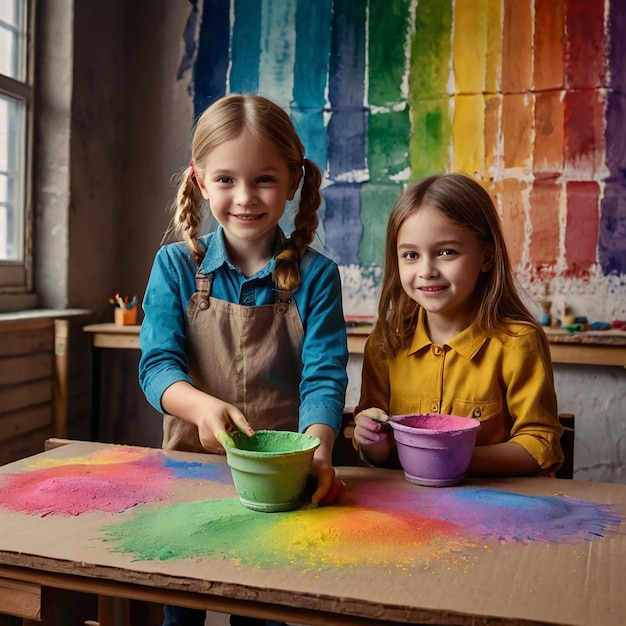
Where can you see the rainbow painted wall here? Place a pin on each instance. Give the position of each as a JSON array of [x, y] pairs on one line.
[[527, 95]]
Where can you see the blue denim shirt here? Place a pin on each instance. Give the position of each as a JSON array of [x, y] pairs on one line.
[[318, 299]]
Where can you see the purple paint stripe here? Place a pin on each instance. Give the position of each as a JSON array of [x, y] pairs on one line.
[[612, 239], [347, 127], [617, 45]]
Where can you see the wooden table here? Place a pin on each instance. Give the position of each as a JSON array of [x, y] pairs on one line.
[[138, 523]]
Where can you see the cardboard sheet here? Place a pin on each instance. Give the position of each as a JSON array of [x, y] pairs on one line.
[[538, 549]]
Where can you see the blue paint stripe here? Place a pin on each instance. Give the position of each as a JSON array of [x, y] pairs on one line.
[[347, 128], [211, 65], [311, 128], [278, 50], [342, 223], [245, 47], [313, 24], [347, 61]]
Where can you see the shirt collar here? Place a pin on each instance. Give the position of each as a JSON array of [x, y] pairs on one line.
[[217, 254], [467, 343]]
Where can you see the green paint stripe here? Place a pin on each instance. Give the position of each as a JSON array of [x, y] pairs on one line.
[[376, 204], [431, 49], [429, 149], [387, 32]]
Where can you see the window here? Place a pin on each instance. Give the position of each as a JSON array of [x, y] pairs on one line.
[[16, 100]]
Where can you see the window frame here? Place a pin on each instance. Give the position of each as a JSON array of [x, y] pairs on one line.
[[16, 277]]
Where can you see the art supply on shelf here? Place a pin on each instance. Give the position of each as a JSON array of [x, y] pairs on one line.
[[125, 309], [545, 319]]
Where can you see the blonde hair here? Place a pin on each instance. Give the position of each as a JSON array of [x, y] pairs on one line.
[[265, 121], [467, 204]]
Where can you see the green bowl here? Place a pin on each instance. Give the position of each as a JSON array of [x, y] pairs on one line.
[[270, 468]]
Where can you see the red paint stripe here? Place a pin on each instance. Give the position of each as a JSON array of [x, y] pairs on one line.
[[584, 134], [581, 229], [585, 48]]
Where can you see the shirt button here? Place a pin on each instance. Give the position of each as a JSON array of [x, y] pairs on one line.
[[437, 351], [434, 407], [477, 412]]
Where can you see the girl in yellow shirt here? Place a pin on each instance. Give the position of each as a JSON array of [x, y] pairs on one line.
[[453, 335]]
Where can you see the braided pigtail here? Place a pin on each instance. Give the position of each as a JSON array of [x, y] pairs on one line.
[[287, 270], [186, 221]]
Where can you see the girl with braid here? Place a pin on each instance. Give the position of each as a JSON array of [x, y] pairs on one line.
[[243, 328]]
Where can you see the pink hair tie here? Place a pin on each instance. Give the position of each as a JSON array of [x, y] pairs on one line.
[[192, 172]]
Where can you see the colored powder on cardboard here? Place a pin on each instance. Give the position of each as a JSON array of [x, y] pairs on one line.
[[110, 480], [307, 539], [371, 524]]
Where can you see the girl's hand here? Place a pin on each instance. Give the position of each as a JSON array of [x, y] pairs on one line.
[[327, 488], [373, 436], [370, 427], [219, 419]]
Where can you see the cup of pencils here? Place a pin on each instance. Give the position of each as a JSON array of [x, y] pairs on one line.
[[125, 309]]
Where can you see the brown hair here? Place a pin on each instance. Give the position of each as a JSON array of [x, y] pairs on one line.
[[467, 204], [264, 120]]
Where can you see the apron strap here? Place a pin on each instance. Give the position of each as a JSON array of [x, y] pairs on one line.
[[204, 282]]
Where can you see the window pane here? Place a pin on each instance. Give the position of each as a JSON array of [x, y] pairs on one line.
[[12, 129], [13, 39]]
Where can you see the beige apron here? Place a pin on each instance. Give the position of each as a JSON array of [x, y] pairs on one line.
[[248, 356]]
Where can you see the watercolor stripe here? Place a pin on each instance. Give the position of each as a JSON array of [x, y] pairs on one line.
[[278, 46], [494, 46], [548, 54], [545, 202], [517, 123], [581, 229], [612, 236], [584, 134], [517, 46], [469, 48], [512, 193], [347, 130], [211, 66], [245, 47], [311, 77], [342, 222], [311, 66], [468, 133], [549, 122], [376, 204], [585, 48], [429, 146], [388, 120]]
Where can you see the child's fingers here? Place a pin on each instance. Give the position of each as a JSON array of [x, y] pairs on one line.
[[237, 421], [368, 432]]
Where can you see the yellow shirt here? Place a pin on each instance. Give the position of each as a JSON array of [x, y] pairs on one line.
[[505, 381]]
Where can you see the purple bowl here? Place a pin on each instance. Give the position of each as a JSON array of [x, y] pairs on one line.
[[434, 450]]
